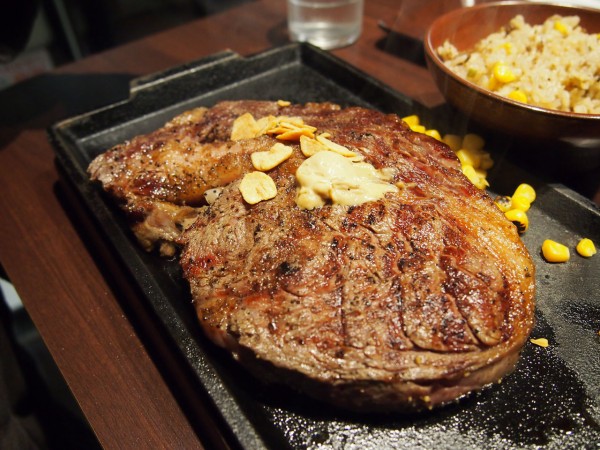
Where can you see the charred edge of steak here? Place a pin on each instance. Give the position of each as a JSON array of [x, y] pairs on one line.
[[379, 396]]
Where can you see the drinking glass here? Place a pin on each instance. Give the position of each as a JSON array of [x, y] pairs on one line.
[[328, 24]]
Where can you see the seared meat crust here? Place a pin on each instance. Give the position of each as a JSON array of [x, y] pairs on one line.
[[160, 178], [403, 303]]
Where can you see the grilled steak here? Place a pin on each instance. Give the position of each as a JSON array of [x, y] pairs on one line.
[[405, 302], [160, 179]]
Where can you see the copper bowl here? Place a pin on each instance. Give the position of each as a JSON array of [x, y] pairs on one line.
[[464, 28]]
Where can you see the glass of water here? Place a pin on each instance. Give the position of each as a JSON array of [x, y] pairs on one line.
[[328, 24]]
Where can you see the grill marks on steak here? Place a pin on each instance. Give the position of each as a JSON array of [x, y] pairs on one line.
[[407, 302], [160, 178]]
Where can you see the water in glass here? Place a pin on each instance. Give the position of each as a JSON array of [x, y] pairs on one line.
[[325, 23]]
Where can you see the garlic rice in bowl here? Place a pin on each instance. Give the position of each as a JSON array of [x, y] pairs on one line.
[[495, 88]]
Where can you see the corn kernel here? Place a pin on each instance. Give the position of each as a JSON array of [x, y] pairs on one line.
[[555, 252], [453, 141], [521, 202], [482, 183], [561, 28], [257, 186], [482, 174], [586, 248], [526, 191], [474, 177], [508, 47], [503, 202], [271, 158], [519, 218], [434, 134], [412, 120], [418, 128], [468, 158], [503, 73], [518, 96], [473, 142], [542, 342]]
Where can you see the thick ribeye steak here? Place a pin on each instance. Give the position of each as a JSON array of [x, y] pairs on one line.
[[405, 302]]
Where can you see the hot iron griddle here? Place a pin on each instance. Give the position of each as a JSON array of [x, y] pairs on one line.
[[552, 400]]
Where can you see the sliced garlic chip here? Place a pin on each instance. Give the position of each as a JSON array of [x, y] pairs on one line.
[[244, 127], [332, 146], [272, 158], [257, 186], [309, 146]]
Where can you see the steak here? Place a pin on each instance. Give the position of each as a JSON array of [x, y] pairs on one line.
[[402, 303], [160, 179]]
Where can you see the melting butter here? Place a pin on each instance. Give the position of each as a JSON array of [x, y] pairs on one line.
[[330, 176]]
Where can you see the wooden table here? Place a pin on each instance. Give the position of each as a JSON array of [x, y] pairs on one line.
[[116, 374]]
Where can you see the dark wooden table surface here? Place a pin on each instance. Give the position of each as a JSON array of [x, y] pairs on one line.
[[118, 375]]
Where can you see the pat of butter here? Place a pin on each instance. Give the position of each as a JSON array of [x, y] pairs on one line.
[[330, 176]]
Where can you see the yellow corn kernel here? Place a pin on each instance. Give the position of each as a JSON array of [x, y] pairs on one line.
[[586, 248], [434, 134], [521, 202], [469, 171], [519, 218], [453, 141], [474, 177], [418, 128], [473, 142], [271, 158], [518, 96], [257, 186], [542, 342], [561, 28], [503, 73], [412, 120], [525, 190], [555, 252], [482, 183], [468, 158], [503, 202], [508, 47]]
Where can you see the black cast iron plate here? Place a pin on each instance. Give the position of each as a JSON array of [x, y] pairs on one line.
[[552, 400]]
